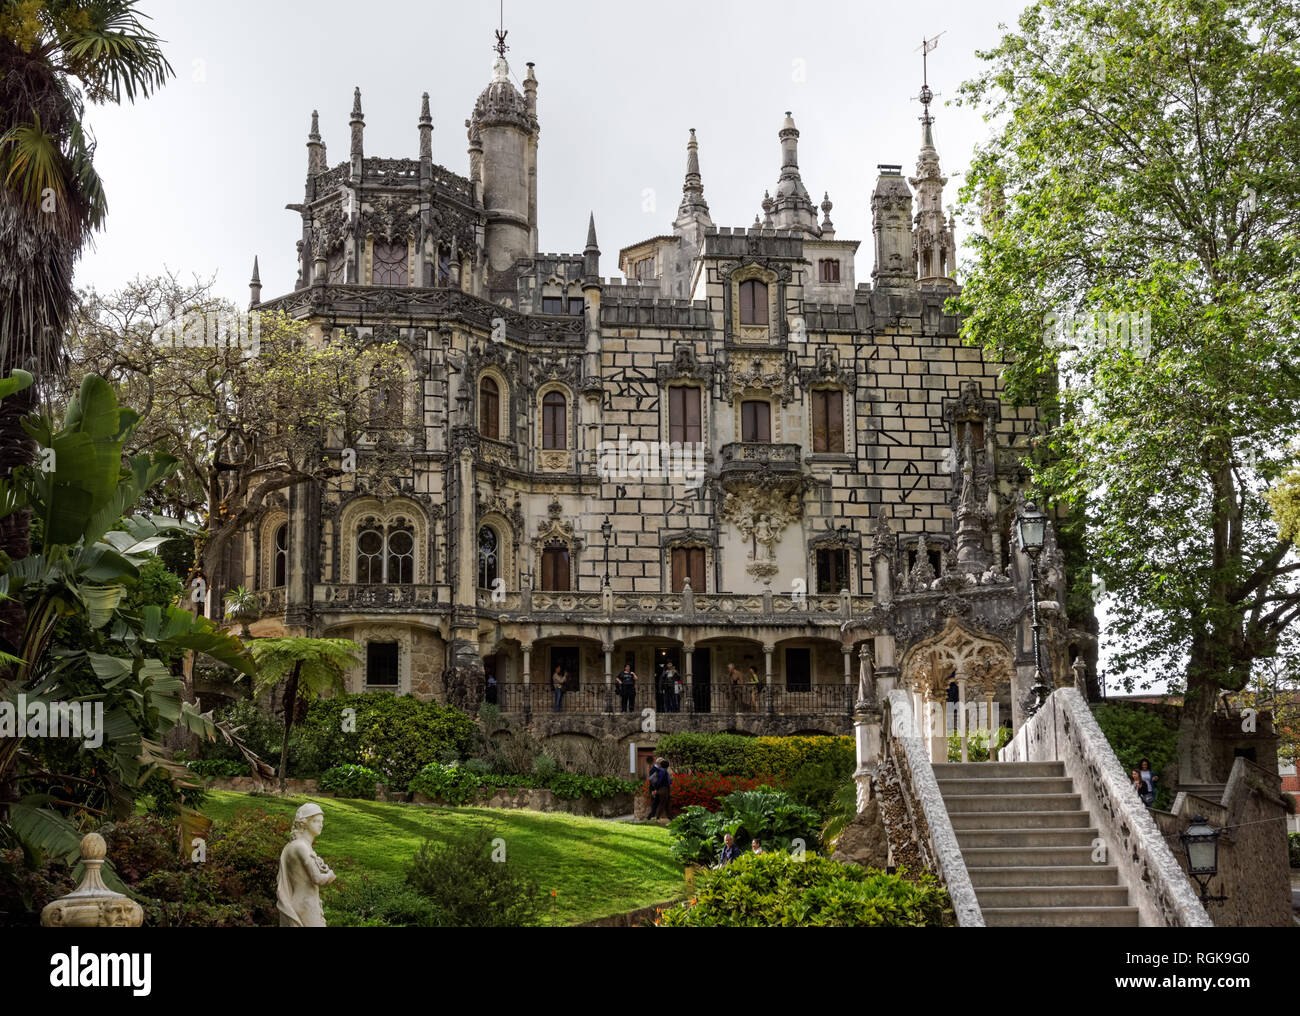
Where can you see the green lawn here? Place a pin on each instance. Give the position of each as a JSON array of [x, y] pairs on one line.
[[596, 867]]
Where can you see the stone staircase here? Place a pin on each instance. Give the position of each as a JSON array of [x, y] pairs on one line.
[[1027, 842]]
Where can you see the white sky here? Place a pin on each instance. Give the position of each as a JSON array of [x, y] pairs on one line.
[[197, 176]]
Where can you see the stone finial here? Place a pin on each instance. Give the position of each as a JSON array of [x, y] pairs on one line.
[[591, 253], [255, 285], [315, 147], [357, 123], [92, 904]]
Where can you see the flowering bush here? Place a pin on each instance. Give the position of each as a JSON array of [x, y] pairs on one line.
[[706, 790]]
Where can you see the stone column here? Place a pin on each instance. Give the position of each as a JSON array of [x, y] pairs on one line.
[[961, 716], [608, 648], [848, 676], [528, 678], [688, 672], [767, 666]]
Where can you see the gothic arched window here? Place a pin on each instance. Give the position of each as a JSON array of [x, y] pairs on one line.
[[489, 409], [385, 554], [553, 421], [753, 302], [488, 560], [401, 555], [280, 561], [370, 556], [389, 265]]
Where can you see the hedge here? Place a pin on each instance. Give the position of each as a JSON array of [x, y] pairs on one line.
[[757, 757], [459, 784]]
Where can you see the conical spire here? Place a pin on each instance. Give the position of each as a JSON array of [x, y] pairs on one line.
[[255, 286], [315, 147], [792, 207], [933, 238], [426, 130], [693, 188], [591, 253], [358, 123], [591, 232]]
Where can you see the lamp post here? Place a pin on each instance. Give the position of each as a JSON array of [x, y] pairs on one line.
[[1033, 528], [1201, 844], [843, 533], [606, 529]]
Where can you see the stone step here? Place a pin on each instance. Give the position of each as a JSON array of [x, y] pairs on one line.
[[1061, 917], [1077, 819], [1026, 837], [1032, 857], [1061, 874], [1015, 897], [963, 803], [995, 770], [1007, 785]]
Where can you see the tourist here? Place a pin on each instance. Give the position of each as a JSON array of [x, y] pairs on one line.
[[733, 686], [627, 689], [672, 689], [757, 847], [1137, 784], [729, 851], [754, 682], [660, 790], [1149, 780], [490, 696], [678, 689], [559, 680]]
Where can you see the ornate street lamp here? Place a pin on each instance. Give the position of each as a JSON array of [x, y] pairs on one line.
[[1032, 526], [1201, 844], [606, 530]]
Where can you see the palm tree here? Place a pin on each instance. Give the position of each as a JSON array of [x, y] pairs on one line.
[[310, 668], [56, 55]]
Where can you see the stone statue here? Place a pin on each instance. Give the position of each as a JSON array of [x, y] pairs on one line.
[[762, 538], [302, 873]]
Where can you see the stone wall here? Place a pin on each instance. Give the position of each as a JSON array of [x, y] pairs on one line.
[[1064, 731], [539, 799], [1253, 868]]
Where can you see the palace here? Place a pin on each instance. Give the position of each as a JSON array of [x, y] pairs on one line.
[[834, 508]]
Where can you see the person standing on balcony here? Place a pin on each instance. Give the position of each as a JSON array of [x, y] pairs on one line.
[[627, 689], [734, 687], [559, 680], [672, 688], [754, 682]]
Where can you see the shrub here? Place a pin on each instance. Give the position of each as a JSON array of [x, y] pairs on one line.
[[350, 781], [977, 744], [1135, 734], [571, 786], [756, 757], [1293, 849], [395, 735], [771, 816], [262, 733], [218, 768], [776, 890], [706, 790], [455, 784], [161, 797], [815, 785], [363, 902], [466, 888], [545, 765]]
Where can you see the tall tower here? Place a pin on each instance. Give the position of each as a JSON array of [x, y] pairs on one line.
[[505, 126], [933, 239], [792, 208]]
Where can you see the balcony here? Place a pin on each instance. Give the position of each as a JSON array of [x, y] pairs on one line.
[[831, 699], [376, 598], [744, 462]]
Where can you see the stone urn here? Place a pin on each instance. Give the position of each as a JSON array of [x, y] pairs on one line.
[[93, 904]]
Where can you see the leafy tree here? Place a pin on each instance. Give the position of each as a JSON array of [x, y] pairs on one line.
[[55, 56], [243, 427], [1145, 161], [309, 668]]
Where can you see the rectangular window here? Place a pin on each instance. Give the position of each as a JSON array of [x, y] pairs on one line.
[[798, 670], [577, 306], [832, 570], [756, 421], [688, 561], [829, 270], [828, 420], [644, 270], [381, 664], [555, 569], [684, 414], [552, 305], [976, 430]]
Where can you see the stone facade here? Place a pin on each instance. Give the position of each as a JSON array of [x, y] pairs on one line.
[[740, 454]]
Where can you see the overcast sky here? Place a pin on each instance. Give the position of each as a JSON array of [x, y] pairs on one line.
[[198, 176]]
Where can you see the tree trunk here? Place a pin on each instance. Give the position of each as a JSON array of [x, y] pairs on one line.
[[1196, 727], [290, 702]]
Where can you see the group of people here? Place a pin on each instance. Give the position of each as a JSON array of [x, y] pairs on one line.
[[1144, 782], [730, 851], [744, 688], [669, 689]]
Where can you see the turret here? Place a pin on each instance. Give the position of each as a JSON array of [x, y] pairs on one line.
[[426, 132], [891, 227], [358, 125], [507, 132], [315, 147], [933, 239], [792, 208]]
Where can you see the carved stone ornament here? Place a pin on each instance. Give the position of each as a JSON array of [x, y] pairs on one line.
[[685, 365], [390, 218], [828, 372], [92, 904], [760, 372], [761, 517]]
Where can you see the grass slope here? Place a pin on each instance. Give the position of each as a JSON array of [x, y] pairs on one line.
[[596, 867]]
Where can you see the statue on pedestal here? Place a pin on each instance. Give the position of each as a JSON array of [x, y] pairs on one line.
[[302, 872]]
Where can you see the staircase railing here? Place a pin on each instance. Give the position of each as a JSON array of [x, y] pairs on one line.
[[934, 834], [1064, 730]]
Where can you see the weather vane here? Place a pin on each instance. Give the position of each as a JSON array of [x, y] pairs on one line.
[[926, 95], [501, 33]]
